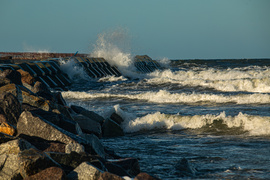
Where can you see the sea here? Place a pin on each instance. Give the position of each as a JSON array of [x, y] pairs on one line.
[[193, 119]]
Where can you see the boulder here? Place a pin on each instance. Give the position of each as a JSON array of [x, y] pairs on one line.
[[4, 81], [64, 110], [109, 176], [145, 176], [130, 165], [11, 108], [54, 173], [12, 75], [5, 138], [32, 125], [72, 160], [10, 88], [90, 114], [185, 169], [44, 145], [59, 99], [95, 143], [88, 125], [116, 118], [9, 162], [116, 169], [111, 129], [59, 120], [28, 97], [26, 77], [7, 129], [24, 95], [33, 161], [85, 171], [74, 147], [88, 171], [40, 87], [42, 90]]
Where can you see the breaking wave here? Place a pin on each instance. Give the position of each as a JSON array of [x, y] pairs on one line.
[[164, 96], [241, 123], [113, 46], [256, 79]]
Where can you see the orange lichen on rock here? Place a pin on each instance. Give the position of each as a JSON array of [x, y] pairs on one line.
[[7, 129]]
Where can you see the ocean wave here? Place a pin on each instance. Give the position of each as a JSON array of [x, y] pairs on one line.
[[255, 79], [242, 123], [164, 96]]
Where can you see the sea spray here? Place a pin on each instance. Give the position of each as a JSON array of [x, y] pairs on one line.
[[112, 47], [73, 69]]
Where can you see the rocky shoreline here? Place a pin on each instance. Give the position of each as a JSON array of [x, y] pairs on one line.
[[42, 138]]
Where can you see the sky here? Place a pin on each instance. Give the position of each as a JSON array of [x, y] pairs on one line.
[[174, 29]]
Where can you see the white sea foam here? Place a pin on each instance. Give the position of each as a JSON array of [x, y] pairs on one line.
[[73, 70], [112, 78], [254, 125], [249, 80], [112, 46], [164, 96]]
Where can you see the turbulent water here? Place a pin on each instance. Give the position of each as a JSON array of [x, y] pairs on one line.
[[203, 119], [196, 119]]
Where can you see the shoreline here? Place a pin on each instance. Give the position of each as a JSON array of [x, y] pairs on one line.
[[47, 136]]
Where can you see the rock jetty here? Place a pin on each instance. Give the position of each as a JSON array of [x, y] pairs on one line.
[[42, 138]]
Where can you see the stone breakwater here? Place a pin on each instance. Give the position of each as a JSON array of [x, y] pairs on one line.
[[49, 73], [42, 138]]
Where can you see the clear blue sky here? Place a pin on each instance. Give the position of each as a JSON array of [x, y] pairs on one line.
[[176, 29]]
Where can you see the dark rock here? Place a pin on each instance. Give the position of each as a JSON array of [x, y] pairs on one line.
[[11, 108], [44, 145], [42, 90], [9, 162], [28, 97], [183, 168], [26, 77], [24, 95], [12, 75], [85, 171], [32, 125], [109, 176], [116, 169], [59, 120], [9, 88], [40, 87], [33, 161], [74, 147], [111, 129], [88, 125], [59, 99], [130, 165], [72, 160], [27, 107], [90, 114], [64, 110], [50, 173], [145, 176], [95, 144], [5, 138], [4, 81], [116, 118]]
